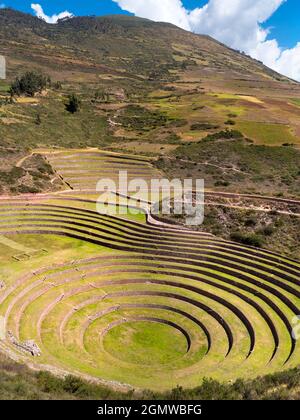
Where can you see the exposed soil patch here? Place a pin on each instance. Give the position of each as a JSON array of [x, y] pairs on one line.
[[27, 175]]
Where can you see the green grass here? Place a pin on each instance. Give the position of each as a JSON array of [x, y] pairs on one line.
[[18, 382], [139, 352], [268, 134], [296, 101], [145, 343], [81, 129]]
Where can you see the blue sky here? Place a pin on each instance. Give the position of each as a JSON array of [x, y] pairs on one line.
[[286, 23], [237, 23], [86, 7]]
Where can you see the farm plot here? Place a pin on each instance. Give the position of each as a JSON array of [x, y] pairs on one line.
[[162, 306], [82, 170]]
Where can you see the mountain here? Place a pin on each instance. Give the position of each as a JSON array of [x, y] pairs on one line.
[[148, 88], [128, 44]]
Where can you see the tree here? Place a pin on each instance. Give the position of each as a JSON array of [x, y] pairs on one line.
[[73, 103], [29, 84]]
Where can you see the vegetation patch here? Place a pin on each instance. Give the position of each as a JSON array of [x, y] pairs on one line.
[[269, 134], [33, 175], [204, 127], [141, 119], [226, 159], [29, 84], [18, 382]]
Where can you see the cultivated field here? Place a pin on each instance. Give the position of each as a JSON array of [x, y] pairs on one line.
[[81, 170], [130, 300]]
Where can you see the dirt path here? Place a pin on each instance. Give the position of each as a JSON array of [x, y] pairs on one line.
[[21, 161], [253, 197], [281, 201], [223, 168]]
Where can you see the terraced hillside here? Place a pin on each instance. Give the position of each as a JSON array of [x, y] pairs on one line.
[[144, 87], [131, 301], [82, 170]]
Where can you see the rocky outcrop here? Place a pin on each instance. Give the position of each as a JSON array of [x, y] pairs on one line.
[[28, 346]]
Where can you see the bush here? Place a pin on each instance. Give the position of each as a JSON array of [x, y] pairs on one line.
[[230, 122], [73, 104], [25, 189], [16, 381], [72, 384], [268, 230], [173, 138], [49, 383], [45, 168], [204, 126], [250, 222], [38, 120], [222, 183], [29, 84], [13, 175], [251, 240], [224, 135]]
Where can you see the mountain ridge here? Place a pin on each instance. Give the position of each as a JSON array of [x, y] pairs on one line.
[[145, 87], [136, 35]]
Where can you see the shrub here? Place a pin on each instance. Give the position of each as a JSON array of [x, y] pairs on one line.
[[45, 168], [204, 126], [250, 222], [230, 122], [268, 230], [173, 138], [29, 84], [17, 173], [38, 120], [72, 384], [73, 103], [178, 123], [251, 240], [49, 383], [224, 135], [222, 183], [25, 189]]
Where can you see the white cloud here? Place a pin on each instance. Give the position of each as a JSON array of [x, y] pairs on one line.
[[49, 19], [237, 23], [158, 10]]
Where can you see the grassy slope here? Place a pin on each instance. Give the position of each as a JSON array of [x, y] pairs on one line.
[[237, 165], [189, 78], [18, 382], [278, 233]]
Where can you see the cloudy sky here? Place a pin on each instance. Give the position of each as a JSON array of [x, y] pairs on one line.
[[268, 30]]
